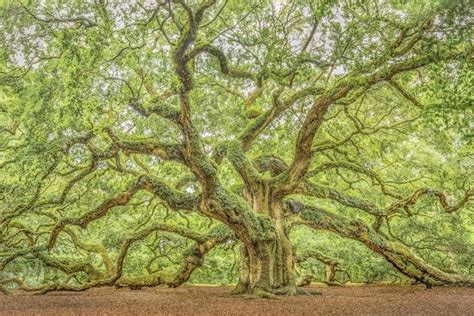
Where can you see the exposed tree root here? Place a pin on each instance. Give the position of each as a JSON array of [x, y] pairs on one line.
[[274, 293], [260, 293], [241, 288], [295, 290]]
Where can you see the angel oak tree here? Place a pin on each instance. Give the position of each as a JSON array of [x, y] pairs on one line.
[[263, 116]]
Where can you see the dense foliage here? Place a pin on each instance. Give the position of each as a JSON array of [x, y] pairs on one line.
[[264, 143]]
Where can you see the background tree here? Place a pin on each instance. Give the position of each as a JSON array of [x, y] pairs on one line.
[[138, 137]]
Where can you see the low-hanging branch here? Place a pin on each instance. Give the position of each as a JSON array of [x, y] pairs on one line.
[[400, 256]]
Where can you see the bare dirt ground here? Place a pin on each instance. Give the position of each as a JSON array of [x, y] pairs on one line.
[[207, 300]]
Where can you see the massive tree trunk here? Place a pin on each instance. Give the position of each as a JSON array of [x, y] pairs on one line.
[[266, 266], [266, 263]]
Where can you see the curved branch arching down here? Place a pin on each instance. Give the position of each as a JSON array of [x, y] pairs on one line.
[[399, 255], [113, 275], [194, 258]]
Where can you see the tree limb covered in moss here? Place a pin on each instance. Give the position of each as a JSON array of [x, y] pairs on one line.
[[400, 256]]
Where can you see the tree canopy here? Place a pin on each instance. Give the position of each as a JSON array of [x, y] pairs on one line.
[[144, 141]]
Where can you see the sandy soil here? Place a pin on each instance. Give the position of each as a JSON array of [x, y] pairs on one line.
[[206, 300]]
